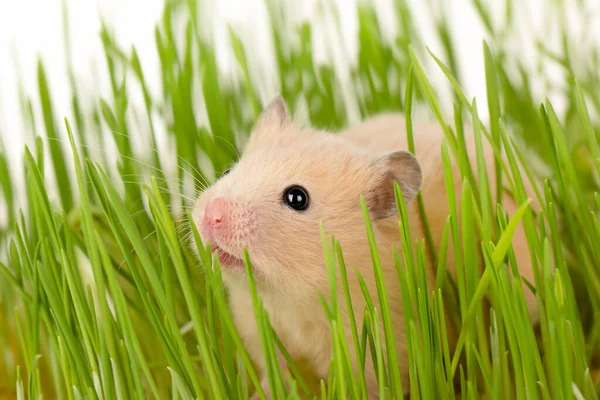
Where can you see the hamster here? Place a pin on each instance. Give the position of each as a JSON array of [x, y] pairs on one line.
[[287, 180]]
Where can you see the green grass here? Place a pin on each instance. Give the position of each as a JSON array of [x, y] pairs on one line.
[[101, 293]]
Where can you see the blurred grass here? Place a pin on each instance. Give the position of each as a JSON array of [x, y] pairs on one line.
[[101, 297]]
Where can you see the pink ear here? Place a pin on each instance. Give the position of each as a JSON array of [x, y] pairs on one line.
[[401, 167], [276, 113], [270, 123]]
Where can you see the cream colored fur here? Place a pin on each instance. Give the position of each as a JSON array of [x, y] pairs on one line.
[[285, 245]]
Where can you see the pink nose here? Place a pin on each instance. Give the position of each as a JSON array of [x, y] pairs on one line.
[[216, 213]]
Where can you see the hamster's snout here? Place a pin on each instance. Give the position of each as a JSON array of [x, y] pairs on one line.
[[216, 214], [226, 227]]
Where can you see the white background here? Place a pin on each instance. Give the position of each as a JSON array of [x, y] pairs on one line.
[[34, 28]]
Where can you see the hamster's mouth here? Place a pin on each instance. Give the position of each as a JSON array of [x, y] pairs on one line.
[[228, 260]]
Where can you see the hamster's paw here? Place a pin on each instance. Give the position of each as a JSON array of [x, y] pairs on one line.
[[267, 390], [264, 385], [256, 396]]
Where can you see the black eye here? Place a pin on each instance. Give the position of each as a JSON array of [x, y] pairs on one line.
[[296, 197], [225, 172]]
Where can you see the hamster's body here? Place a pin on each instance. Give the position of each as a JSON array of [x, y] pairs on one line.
[[285, 245], [387, 132]]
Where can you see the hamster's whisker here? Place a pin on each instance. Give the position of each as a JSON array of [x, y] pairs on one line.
[[163, 189], [143, 210], [202, 184], [188, 239], [183, 231], [137, 213], [158, 178], [133, 249], [148, 235], [182, 220], [229, 143], [166, 181], [180, 195], [118, 154], [155, 150], [169, 207], [195, 170], [178, 156], [168, 191], [186, 172]]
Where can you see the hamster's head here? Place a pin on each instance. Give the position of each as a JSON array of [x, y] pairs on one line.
[[285, 183]]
